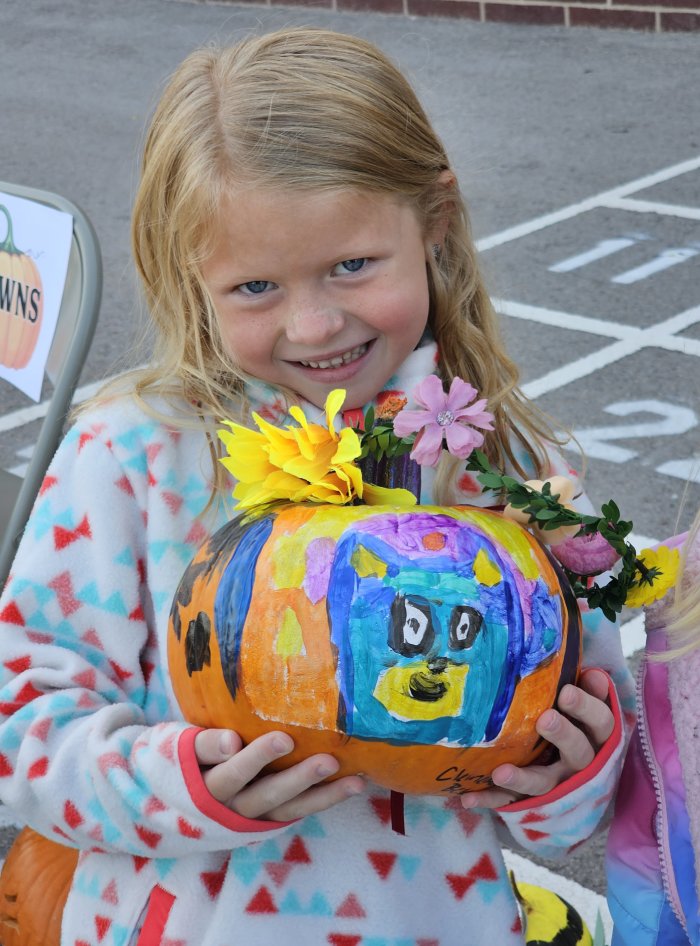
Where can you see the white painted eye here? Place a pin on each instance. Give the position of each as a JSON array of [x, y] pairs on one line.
[[465, 624], [415, 624]]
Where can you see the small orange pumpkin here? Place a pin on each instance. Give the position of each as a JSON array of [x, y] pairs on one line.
[[34, 884], [418, 645], [21, 302]]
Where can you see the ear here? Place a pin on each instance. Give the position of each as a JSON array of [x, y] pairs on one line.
[[445, 188]]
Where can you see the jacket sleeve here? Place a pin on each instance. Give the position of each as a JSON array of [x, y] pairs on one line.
[[553, 824], [93, 751]]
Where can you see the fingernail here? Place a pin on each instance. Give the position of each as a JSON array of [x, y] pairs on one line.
[[326, 768], [549, 722], [226, 743], [282, 744], [355, 788], [468, 801], [506, 778]]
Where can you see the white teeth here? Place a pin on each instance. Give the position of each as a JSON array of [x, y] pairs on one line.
[[339, 360]]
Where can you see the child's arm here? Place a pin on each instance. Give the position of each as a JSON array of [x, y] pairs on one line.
[[232, 776], [93, 749], [578, 730]]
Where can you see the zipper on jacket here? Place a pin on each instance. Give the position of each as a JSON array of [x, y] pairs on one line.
[[665, 860]]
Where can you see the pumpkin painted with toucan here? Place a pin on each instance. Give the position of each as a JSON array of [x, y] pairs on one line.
[[418, 645]]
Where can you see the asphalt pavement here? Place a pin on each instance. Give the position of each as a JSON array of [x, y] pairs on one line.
[[578, 151]]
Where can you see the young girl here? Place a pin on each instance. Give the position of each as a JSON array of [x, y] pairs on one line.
[[654, 840], [297, 229]]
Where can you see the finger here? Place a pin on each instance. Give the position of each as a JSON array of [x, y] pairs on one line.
[[212, 746], [596, 683], [225, 780], [488, 798], [276, 789], [319, 798], [574, 745], [529, 780], [595, 715]]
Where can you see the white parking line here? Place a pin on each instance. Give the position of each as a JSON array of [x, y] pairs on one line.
[[590, 203]]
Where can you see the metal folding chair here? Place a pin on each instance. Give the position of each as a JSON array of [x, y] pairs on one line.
[[77, 319]]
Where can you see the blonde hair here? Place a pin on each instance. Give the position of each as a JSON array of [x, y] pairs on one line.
[[683, 628], [305, 109]]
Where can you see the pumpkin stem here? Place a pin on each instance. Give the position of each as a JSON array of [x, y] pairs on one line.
[[8, 246]]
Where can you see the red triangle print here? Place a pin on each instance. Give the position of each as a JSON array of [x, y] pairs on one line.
[[136, 614], [382, 808], [12, 614], [150, 838], [86, 679], [84, 438], [535, 835], [172, 501], [342, 939], [63, 537], [427, 942], [63, 586], [102, 924], [91, 637], [5, 767], [188, 830], [482, 870], [19, 664], [154, 805], [262, 902], [517, 926], [71, 815], [533, 817], [40, 729], [296, 853], [139, 862], [39, 768], [47, 483], [125, 486], [351, 906], [28, 693], [278, 872], [213, 880], [382, 861], [120, 671], [196, 535]]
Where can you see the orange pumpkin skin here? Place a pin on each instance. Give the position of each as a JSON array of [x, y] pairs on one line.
[[34, 884], [21, 302], [418, 645]]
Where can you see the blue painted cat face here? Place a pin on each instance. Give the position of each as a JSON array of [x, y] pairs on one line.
[[434, 625]]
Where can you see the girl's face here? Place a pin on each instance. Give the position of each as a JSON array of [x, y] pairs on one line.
[[316, 290]]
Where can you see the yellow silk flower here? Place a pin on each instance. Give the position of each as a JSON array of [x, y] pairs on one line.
[[305, 463], [667, 561]]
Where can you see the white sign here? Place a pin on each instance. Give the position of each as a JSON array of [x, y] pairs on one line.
[[35, 243]]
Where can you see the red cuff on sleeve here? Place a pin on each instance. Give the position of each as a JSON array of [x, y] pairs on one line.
[[204, 800], [585, 775]]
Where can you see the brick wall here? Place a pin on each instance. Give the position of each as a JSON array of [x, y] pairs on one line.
[[653, 15]]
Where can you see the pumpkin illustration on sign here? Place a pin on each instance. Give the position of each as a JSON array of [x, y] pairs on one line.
[[416, 644], [21, 302]]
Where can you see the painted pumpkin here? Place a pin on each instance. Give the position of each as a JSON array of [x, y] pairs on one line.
[[34, 884], [21, 302], [418, 645]]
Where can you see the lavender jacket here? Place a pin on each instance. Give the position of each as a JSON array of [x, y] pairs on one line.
[[654, 840]]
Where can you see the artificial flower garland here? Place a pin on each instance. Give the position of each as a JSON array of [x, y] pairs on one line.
[[308, 462]]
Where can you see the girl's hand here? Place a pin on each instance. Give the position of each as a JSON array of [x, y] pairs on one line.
[[584, 723], [231, 773]]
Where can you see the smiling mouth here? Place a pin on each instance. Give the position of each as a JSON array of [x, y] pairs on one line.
[[338, 360]]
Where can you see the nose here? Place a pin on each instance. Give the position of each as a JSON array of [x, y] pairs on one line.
[[312, 321]]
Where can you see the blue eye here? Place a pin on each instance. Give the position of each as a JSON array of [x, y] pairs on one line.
[[352, 265], [255, 287]]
